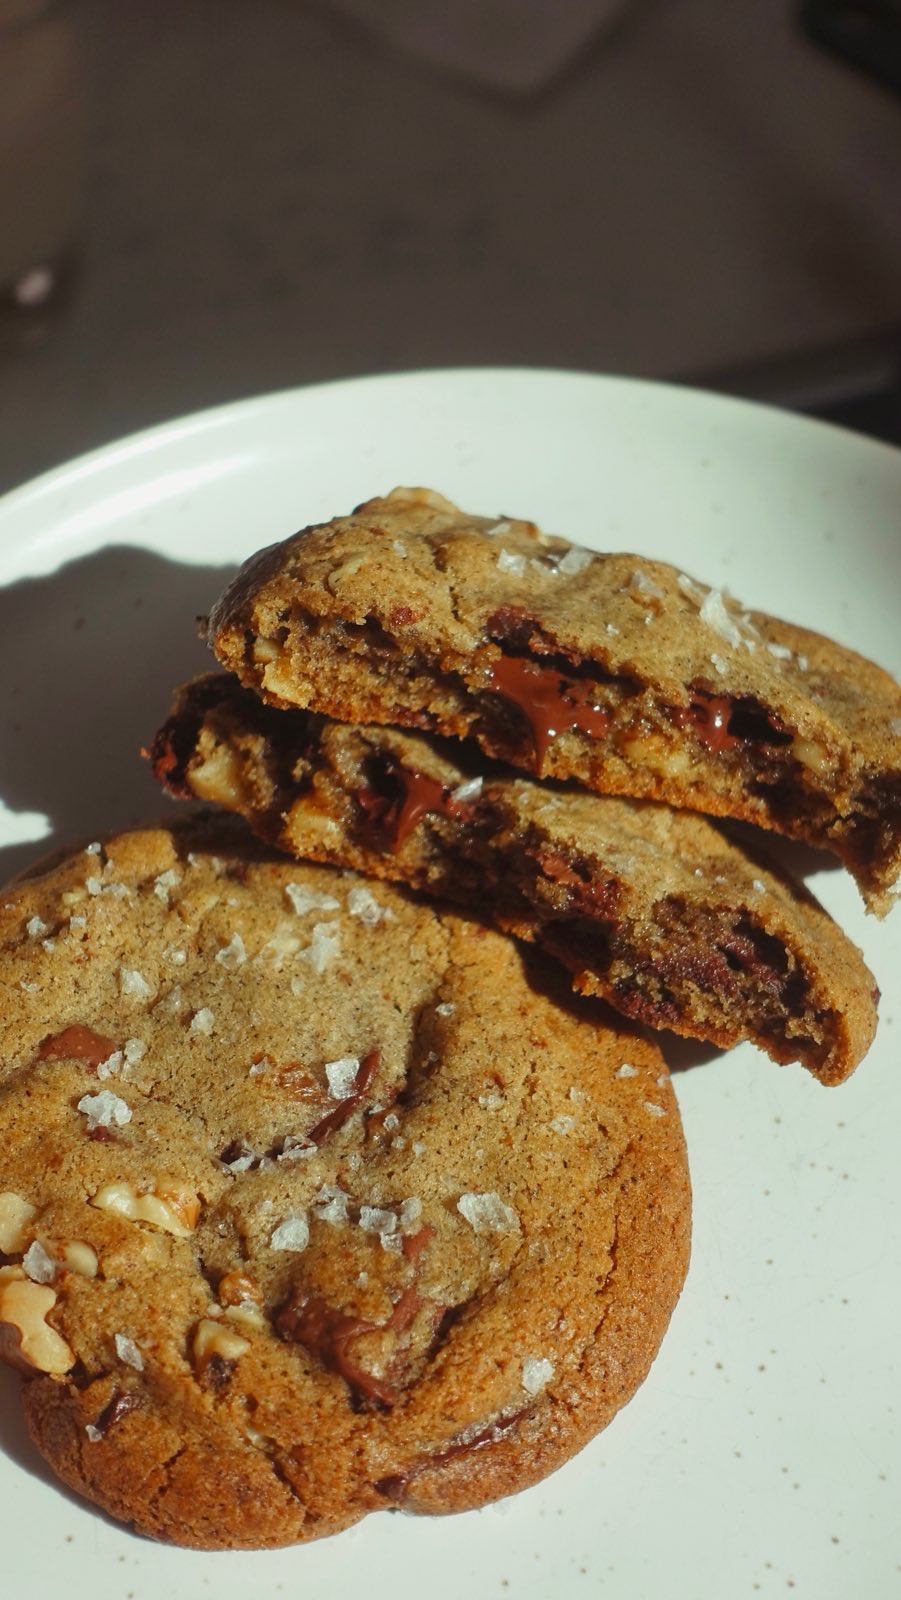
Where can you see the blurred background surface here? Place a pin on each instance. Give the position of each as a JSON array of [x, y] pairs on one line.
[[233, 196]]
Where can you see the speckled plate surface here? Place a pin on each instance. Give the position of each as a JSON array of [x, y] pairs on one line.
[[763, 1453]]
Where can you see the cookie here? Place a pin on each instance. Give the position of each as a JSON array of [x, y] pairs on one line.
[[653, 909], [313, 1201], [621, 673]]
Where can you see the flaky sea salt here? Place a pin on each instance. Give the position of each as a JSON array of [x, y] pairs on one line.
[[376, 1219], [446, 1009], [304, 900], [895, 727], [487, 1213], [330, 1204], [232, 954], [132, 982], [361, 902], [467, 791], [165, 882], [35, 928], [342, 1076], [127, 1351], [627, 1070], [324, 946], [111, 1066], [780, 651], [399, 548], [511, 561], [693, 590], [104, 1110], [38, 1265], [292, 1234], [202, 1021], [135, 1051], [654, 1110], [575, 561], [93, 885], [642, 584], [562, 1125], [410, 1214], [537, 1373]]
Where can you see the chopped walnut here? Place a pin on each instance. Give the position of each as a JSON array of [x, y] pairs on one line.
[[173, 1210], [15, 1214], [26, 1340]]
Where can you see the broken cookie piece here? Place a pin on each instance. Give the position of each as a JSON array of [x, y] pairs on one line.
[[651, 908], [621, 673]]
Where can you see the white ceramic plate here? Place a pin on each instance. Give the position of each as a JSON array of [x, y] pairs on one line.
[[762, 1456]]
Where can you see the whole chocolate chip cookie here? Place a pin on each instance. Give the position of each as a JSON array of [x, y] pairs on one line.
[[616, 671], [652, 908], [312, 1201]]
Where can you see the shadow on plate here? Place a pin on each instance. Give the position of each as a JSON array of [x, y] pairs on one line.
[[92, 655]]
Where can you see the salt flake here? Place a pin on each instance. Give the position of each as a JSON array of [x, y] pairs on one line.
[[537, 1373], [342, 1076], [511, 561], [304, 900], [38, 1265], [127, 1351], [104, 1110], [487, 1213], [292, 1234], [232, 954], [361, 902], [575, 561]]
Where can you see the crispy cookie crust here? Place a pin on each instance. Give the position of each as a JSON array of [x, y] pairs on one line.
[[619, 672], [651, 908], [311, 1202]]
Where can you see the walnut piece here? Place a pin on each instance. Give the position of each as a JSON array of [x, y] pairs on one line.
[[26, 1341], [15, 1215], [212, 1341], [171, 1208]]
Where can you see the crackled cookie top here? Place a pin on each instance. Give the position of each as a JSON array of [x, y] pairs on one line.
[[621, 672], [311, 1201]]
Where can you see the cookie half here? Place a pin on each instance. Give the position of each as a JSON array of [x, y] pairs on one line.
[[616, 671], [651, 908], [311, 1202]]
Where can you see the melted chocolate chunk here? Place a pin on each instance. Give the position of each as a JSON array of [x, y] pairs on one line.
[[551, 701], [398, 798], [122, 1402], [726, 722], [328, 1334], [345, 1108]]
